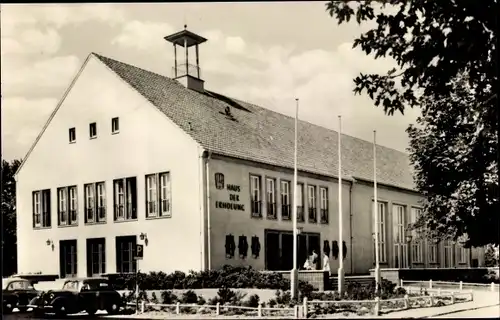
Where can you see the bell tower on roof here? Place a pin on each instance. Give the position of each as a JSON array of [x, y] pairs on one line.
[[185, 72]]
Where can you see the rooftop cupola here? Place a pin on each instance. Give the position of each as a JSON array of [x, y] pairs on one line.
[[186, 73]]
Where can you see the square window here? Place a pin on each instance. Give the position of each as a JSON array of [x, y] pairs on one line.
[[93, 130], [115, 125], [72, 135]]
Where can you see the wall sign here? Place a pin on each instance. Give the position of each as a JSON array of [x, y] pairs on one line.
[[233, 194]]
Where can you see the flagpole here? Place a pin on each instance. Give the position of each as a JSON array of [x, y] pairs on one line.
[[294, 275], [375, 211], [340, 273]]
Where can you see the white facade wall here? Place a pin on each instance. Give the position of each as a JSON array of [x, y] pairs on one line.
[[148, 142]]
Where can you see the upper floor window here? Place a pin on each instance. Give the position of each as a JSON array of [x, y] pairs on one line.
[[72, 135], [41, 209], [158, 195], [95, 202], [312, 203], [125, 199], [115, 125], [285, 200], [67, 209], [300, 202], [93, 130], [271, 198], [255, 194], [323, 193]]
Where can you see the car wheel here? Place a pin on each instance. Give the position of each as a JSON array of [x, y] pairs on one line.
[[22, 309], [60, 309], [113, 308], [91, 312], [7, 309], [38, 313]]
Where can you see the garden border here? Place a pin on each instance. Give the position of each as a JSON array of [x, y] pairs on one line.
[[301, 311]]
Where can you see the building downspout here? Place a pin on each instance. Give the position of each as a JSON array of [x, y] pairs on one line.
[[350, 219], [209, 227]]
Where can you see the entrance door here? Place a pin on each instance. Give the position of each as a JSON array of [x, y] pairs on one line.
[[302, 254], [272, 244], [314, 244], [286, 251]]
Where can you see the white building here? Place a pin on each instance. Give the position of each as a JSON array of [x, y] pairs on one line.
[[205, 179]]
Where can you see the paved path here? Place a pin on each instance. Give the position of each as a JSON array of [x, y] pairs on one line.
[[483, 312]]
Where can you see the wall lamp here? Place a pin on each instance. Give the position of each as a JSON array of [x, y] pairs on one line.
[[50, 243], [144, 236]]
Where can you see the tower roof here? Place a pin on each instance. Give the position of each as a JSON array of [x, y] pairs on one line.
[[190, 37]]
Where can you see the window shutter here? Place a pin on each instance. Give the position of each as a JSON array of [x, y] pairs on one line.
[[62, 259], [118, 254], [89, 258]]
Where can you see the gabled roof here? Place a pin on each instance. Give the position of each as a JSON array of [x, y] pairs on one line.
[[259, 134]]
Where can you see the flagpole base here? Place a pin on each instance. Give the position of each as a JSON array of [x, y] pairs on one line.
[[377, 278], [341, 280], [294, 283]]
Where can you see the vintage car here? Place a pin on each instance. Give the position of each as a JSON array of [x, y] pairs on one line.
[[78, 295], [17, 293]]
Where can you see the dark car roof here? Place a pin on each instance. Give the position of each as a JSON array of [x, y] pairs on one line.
[[87, 279]]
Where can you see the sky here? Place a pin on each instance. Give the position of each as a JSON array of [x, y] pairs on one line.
[[264, 53]]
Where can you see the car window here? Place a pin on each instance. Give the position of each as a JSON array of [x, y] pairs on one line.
[[71, 285], [99, 285], [19, 285]]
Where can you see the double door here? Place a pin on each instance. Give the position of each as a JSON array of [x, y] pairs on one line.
[[279, 249]]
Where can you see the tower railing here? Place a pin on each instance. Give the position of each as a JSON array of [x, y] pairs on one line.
[[184, 69]]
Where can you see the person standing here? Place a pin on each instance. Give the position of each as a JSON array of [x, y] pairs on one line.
[[326, 263]]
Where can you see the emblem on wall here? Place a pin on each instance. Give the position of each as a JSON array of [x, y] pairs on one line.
[[243, 246], [230, 246], [255, 247], [219, 180], [344, 250], [335, 249]]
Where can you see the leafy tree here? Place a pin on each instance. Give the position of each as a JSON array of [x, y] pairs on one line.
[[9, 240], [445, 54]]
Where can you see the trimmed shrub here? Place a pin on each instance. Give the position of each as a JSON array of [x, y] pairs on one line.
[[168, 297], [228, 276], [189, 297]]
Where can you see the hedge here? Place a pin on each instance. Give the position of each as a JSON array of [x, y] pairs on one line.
[[227, 276]]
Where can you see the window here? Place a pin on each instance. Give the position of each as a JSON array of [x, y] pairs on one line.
[[115, 125], [96, 256], [125, 199], [93, 130], [462, 255], [311, 190], [399, 236], [68, 258], [95, 202], [41, 209], [300, 202], [382, 249], [255, 196], [72, 135], [271, 198], [433, 252], [125, 252], [66, 206], [285, 200], [158, 196], [323, 193], [417, 254], [448, 254]]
